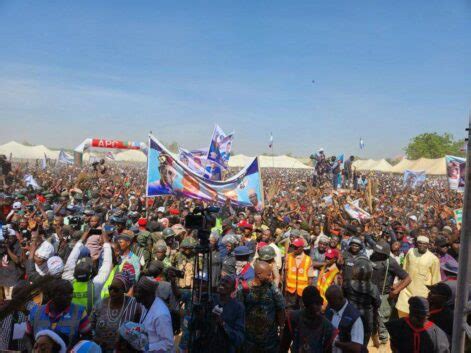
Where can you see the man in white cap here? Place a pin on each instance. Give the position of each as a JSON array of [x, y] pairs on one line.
[[423, 268]]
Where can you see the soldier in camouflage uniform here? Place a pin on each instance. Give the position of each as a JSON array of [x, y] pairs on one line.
[[267, 254], [184, 261]]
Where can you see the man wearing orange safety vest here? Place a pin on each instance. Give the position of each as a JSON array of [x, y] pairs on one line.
[[329, 273], [298, 274]]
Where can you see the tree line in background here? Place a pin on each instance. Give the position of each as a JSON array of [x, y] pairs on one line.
[[433, 145]]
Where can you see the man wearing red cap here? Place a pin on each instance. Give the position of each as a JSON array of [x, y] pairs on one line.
[[142, 223], [329, 273], [298, 274]]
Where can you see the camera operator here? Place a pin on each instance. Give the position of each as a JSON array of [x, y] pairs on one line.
[[220, 331], [10, 261]]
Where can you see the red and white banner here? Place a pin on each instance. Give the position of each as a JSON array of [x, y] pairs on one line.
[[115, 144], [106, 144]]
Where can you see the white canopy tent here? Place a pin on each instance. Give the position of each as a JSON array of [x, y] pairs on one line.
[[240, 161], [131, 156], [430, 166], [19, 151]]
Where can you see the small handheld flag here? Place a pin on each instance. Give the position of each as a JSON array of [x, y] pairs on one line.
[[362, 143], [271, 141]]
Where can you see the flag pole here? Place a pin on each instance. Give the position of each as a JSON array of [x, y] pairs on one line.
[[146, 197]]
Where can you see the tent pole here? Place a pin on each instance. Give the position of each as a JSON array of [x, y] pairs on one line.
[[460, 325]]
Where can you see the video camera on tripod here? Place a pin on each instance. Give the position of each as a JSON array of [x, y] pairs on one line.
[[201, 220]]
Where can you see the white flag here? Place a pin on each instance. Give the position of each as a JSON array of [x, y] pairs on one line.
[[30, 181], [44, 162], [65, 158]]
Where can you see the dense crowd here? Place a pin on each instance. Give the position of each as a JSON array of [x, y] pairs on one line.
[[89, 264]]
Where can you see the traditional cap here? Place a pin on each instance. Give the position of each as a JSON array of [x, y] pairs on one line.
[[53, 336], [125, 278], [148, 283], [324, 239], [55, 265], [45, 250], [85, 346], [423, 239], [447, 229], [161, 209], [16, 205], [413, 217]]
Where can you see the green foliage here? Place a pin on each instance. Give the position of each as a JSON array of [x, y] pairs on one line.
[[433, 145]]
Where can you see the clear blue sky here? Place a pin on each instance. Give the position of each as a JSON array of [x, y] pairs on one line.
[[383, 70]]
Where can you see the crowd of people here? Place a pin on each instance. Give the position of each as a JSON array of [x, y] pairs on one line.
[[89, 264]]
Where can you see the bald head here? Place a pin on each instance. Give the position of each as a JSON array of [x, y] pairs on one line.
[[334, 296], [263, 271]]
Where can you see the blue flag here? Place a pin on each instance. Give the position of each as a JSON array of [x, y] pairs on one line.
[[220, 148]]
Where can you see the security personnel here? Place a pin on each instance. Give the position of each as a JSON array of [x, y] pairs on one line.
[[83, 287], [172, 245], [244, 269], [362, 293], [229, 261], [267, 254], [350, 256], [184, 261], [298, 274]]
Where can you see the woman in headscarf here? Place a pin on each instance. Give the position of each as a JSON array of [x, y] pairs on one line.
[[114, 310], [48, 341]]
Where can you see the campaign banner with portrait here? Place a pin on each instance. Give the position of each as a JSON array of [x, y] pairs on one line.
[[220, 148], [166, 175], [194, 159], [456, 172], [197, 162], [413, 178], [354, 210]]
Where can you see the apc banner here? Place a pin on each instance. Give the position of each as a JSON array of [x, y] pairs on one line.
[[168, 176], [124, 145], [220, 147], [456, 172], [413, 178]]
